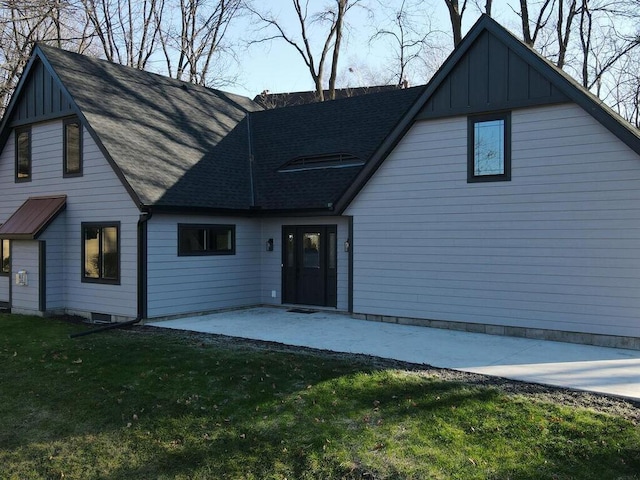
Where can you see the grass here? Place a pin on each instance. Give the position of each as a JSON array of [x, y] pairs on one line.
[[149, 404]]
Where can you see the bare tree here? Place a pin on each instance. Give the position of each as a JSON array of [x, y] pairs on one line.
[[24, 22], [127, 29], [409, 35], [191, 49], [332, 16], [541, 20], [456, 12]]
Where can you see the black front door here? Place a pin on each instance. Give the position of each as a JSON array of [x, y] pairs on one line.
[[309, 273]]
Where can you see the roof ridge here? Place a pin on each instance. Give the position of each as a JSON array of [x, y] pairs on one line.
[[47, 49]]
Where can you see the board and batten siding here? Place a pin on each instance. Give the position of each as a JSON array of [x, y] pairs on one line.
[[97, 196], [271, 271], [179, 285], [557, 247]]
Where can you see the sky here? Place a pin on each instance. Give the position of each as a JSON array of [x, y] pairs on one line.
[[277, 67]]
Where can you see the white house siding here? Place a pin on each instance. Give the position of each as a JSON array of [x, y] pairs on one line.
[[557, 247], [96, 196], [25, 256], [189, 284], [271, 262]]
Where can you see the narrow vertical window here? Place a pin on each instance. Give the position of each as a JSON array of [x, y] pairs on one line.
[[5, 257], [101, 253], [489, 156], [23, 154], [72, 148]]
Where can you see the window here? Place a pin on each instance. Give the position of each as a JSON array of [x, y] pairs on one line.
[[101, 253], [489, 156], [72, 155], [5, 257], [23, 154], [206, 239]]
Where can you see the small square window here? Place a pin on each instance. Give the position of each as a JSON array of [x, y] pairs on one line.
[[489, 148], [5, 257], [23, 154], [206, 239], [101, 253], [72, 155]]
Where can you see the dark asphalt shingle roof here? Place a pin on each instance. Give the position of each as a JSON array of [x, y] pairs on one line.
[[183, 146], [154, 128], [356, 126]]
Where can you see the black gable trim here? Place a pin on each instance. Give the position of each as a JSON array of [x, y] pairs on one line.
[[489, 76], [42, 98], [546, 84]]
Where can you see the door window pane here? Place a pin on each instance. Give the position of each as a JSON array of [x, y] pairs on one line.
[[332, 250], [291, 250], [311, 254]]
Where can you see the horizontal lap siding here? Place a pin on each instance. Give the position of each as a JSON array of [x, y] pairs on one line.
[[4, 288], [557, 247], [191, 284], [25, 298], [97, 196]]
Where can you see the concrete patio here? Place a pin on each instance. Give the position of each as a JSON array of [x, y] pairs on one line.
[[610, 371]]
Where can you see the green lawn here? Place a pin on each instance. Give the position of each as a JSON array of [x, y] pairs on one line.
[[145, 403]]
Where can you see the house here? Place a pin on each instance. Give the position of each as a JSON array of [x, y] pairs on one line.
[[501, 198], [278, 100]]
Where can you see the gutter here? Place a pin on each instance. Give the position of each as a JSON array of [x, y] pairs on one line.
[[142, 281]]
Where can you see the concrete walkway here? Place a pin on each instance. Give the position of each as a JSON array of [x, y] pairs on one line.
[[605, 370]]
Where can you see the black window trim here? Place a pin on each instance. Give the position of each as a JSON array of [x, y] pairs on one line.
[[2, 272], [100, 225], [65, 172], [471, 121], [221, 226], [17, 133]]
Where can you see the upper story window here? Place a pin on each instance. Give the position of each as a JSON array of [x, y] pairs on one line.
[[101, 252], [23, 154], [206, 239], [489, 148], [72, 147], [5, 257]]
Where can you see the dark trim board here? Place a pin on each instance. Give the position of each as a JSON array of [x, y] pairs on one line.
[[42, 277], [350, 273]]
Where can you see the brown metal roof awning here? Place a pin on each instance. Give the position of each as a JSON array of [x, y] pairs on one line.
[[33, 217]]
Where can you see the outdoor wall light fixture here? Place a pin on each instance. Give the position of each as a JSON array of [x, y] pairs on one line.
[[347, 245], [270, 245]]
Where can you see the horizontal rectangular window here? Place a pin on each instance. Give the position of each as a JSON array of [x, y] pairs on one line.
[[101, 253], [5, 257], [489, 157], [206, 239]]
